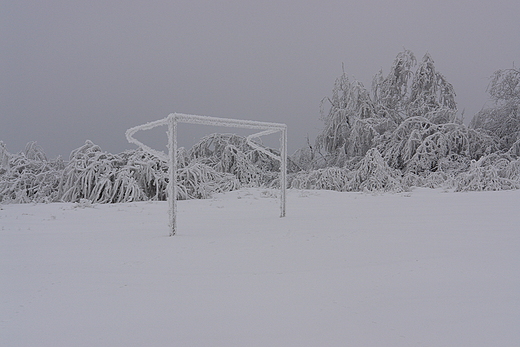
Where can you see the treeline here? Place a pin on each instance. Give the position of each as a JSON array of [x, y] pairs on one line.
[[218, 163], [401, 133], [405, 131]]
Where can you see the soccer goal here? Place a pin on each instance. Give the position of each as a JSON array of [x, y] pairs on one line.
[[171, 158]]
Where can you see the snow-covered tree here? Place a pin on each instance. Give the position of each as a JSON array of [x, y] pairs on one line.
[[408, 121], [503, 119], [401, 133], [356, 118], [4, 158], [350, 103], [418, 144], [431, 95], [391, 93]]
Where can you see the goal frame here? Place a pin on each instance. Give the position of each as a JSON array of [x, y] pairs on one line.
[[171, 158]]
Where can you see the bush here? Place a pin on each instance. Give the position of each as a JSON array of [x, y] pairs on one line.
[[28, 176]]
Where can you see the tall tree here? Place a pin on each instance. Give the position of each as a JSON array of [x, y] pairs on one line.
[[350, 102], [503, 119], [390, 93], [431, 95], [357, 118]]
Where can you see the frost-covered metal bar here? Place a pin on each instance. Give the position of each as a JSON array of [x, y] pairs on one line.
[[227, 122], [250, 142], [172, 173], [150, 125], [171, 158], [283, 171]]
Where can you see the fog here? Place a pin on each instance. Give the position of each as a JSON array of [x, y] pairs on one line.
[[72, 71]]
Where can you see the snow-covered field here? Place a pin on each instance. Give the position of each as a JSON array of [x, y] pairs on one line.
[[426, 268]]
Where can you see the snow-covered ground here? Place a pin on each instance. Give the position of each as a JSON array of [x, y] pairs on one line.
[[426, 268]]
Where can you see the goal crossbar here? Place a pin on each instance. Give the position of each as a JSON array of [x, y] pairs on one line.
[[171, 158]]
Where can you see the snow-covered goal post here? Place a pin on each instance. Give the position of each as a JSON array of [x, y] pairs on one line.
[[171, 158]]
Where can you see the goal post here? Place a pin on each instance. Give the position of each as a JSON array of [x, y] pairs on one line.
[[171, 121]]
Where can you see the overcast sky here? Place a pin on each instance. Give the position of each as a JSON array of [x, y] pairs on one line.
[[77, 70]]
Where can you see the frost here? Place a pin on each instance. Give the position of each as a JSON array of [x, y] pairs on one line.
[[401, 133], [28, 176], [405, 133], [492, 172], [99, 177], [503, 119], [199, 181], [230, 153]]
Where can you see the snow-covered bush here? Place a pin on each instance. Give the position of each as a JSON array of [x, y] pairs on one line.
[[28, 176], [150, 173], [99, 176], [492, 172], [515, 149], [136, 175], [374, 174], [370, 174], [199, 181], [230, 153], [217, 163], [331, 178]]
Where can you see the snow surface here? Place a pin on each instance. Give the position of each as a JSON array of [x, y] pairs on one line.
[[426, 268]]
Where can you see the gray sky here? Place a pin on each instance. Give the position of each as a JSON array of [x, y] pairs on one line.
[[77, 70]]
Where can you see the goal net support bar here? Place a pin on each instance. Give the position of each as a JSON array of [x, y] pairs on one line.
[[171, 158]]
